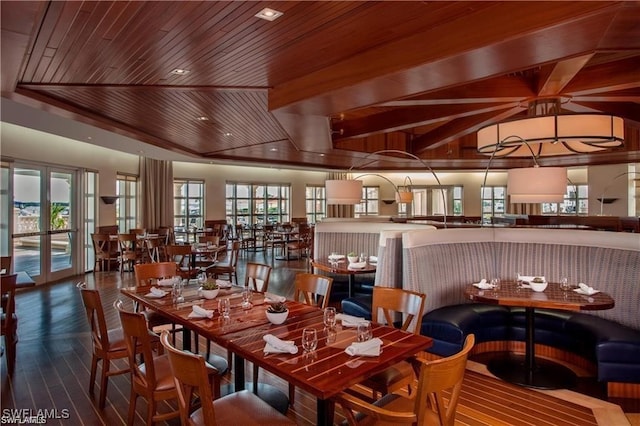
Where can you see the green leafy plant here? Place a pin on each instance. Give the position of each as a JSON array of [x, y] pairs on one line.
[[57, 221], [351, 253], [538, 280], [210, 285], [277, 308]]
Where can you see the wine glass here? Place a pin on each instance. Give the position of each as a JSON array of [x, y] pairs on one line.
[[247, 296], [309, 339], [202, 278], [495, 283], [364, 331], [564, 284], [224, 307], [329, 317]]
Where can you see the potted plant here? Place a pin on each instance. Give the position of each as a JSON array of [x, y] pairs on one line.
[[352, 257], [277, 313], [209, 289]]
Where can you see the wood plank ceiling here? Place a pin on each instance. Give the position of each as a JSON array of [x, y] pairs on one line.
[[328, 82]]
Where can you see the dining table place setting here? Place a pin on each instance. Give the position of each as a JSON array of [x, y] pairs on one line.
[[156, 293], [483, 285], [371, 347], [349, 320], [198, 312], [275, 345], [586, 290]]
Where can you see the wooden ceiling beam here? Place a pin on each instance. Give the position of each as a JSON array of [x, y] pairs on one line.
[[407, 66], [611, 76], [406, 118], [458, 128], [560, 74]]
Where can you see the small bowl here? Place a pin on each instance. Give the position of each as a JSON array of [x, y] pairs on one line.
[[209, 294], [277, 317], [539, 287], [353, 259]]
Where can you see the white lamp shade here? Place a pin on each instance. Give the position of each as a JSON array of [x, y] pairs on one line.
[[343, 191], [537, 184], [404, 197]]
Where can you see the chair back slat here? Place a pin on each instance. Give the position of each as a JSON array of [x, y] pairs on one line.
[[257, 276], [313, 288], [388, 303]]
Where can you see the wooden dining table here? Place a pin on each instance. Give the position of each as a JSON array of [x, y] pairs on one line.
[[531, 371], [323, 372], [341, 267]]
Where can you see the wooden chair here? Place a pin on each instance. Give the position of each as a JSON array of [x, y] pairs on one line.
[[314, 290], [8, 319], [181, 255], [105, 251], [128, 251], [107, 344], [229, 267], [5, 263], [156, 249], [146, 275], [247, 241], [190, 377], [386, 306], [207, 260], [434, 403], [152, 379], [257, 276], [302, 244]]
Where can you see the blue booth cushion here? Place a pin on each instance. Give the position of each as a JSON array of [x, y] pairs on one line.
[[359, 306]]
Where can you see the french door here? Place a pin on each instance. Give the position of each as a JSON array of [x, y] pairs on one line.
[[45, 231]]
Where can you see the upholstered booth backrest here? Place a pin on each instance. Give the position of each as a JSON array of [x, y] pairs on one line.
[[443, 263], [343, 237]]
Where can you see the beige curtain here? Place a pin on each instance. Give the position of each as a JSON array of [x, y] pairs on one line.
[[340, 210], [525, 208], [156, 179]]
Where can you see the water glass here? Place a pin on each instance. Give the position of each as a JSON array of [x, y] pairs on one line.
[[202, 278], [224, 307], [364, 331], [176, 291], [564, 284], [332, 335], [247, 296], [363, 257], [329, 317], [495, 282], [309, 339]]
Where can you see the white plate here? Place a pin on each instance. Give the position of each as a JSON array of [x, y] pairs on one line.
[[155, 296]]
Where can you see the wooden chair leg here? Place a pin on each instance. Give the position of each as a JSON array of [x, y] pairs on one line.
[[92, 376], [132, 407], [104, 382], [292, 394]]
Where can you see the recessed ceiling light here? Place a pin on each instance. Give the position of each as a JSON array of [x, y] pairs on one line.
[[227, 134], [202, 118], [321, 155], [89, 138], [180, 71], [273, 149], [268, 14]]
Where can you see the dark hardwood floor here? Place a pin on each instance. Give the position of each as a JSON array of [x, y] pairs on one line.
[[54, 353]]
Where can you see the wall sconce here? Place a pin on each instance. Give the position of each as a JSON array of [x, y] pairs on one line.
[[108, 199]]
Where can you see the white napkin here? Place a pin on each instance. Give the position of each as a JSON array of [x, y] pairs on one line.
[[274, 298], [166, 282], [223, 284], [373, 259], [529, 278], [275, 345], [156, 293], [200, 312], [357, 265], [585, 289], [369, 348], [349, 320], [336, 256], [483, 284]]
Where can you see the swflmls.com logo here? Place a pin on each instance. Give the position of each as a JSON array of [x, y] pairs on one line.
[[29, 416]]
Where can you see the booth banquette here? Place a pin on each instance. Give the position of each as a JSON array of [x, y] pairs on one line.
[[364, 236], [443, 263]]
